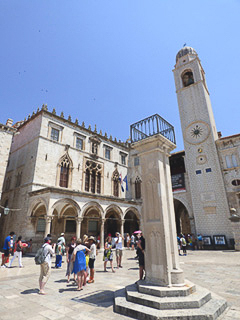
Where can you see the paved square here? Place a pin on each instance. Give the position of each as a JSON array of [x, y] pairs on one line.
[[217, 271]]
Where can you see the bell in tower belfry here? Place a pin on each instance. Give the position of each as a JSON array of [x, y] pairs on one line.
[[207, 191]]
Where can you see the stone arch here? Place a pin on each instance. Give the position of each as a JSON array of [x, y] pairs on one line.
[[131, 220], [92, 214], [114, 207], [185, 203], [113, 219], [92, 205], [187, 77], [35, 205], [62, 205], [184, 222]]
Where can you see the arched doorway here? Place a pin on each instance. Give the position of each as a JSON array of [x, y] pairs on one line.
[[91, 224], [183, 224], [112, 223], [131, 223]]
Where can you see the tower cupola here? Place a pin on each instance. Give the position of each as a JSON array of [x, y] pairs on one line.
[[184, 51]]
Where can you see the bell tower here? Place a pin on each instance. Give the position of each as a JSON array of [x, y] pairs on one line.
[[209, 200]]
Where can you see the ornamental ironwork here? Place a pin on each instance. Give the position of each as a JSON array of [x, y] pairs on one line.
[[151, 126]]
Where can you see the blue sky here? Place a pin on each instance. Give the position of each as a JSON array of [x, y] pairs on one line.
[[109, 62]]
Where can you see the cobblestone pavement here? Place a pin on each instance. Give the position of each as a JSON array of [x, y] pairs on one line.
[[219, 271]]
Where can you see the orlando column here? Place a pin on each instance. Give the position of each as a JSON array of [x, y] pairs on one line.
[[154, 139]]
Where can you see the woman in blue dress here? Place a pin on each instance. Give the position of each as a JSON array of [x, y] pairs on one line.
[[79, 267]]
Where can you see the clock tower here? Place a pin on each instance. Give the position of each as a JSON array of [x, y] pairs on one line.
[[209, 200]]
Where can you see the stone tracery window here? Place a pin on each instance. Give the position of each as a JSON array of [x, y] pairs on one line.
[[93, 173], [138, 188], [65, 165], [115, 179]]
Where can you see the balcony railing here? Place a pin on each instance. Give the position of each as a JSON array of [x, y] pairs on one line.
[[151, 126]]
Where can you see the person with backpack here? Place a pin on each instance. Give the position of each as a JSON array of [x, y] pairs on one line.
[[17, 252], [43, 258], [183, 244]]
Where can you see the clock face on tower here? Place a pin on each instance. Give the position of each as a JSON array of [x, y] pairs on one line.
[[196, 132]]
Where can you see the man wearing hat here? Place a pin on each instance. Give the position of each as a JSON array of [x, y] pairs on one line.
[[62, 242], [92, 257], [48, 251]]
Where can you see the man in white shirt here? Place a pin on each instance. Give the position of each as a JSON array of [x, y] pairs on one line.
[[92, 257], [119, 249], [48, 251]]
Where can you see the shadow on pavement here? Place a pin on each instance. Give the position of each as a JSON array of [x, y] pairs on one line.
[[99, 298], [68, 289], [60, 281], [30, 291]]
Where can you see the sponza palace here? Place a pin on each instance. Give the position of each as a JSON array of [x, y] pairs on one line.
[[57, 176]]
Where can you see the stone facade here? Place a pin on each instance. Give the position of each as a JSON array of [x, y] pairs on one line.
[[66, 178]]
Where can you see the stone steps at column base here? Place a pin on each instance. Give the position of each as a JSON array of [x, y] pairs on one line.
[[158, 291], [195, 300], [211, 310]]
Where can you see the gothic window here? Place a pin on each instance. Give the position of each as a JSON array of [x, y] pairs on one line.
[[65, 166], [115, 183], [87, 179], [54, 134], [93, 173], [138, 188], [99, 182], [93, 181], [187, 78], [231, 161]]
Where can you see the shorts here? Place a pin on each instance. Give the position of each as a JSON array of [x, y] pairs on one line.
[[45, 272], [6, 252], [118, 252], [132, 243], [91, 263]]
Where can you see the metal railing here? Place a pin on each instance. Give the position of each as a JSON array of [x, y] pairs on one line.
[[151, 126]]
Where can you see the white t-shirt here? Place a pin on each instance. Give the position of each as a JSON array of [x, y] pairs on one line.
[[92, 254], [119, 243], [80, 247], [48, 252], [133, 238]]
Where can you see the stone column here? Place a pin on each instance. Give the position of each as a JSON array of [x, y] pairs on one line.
[[158, 217], [78, 227], [122, 227], [102, 234], [48, 225]]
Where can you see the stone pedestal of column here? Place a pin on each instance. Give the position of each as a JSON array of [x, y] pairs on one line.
[[158, 217]]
